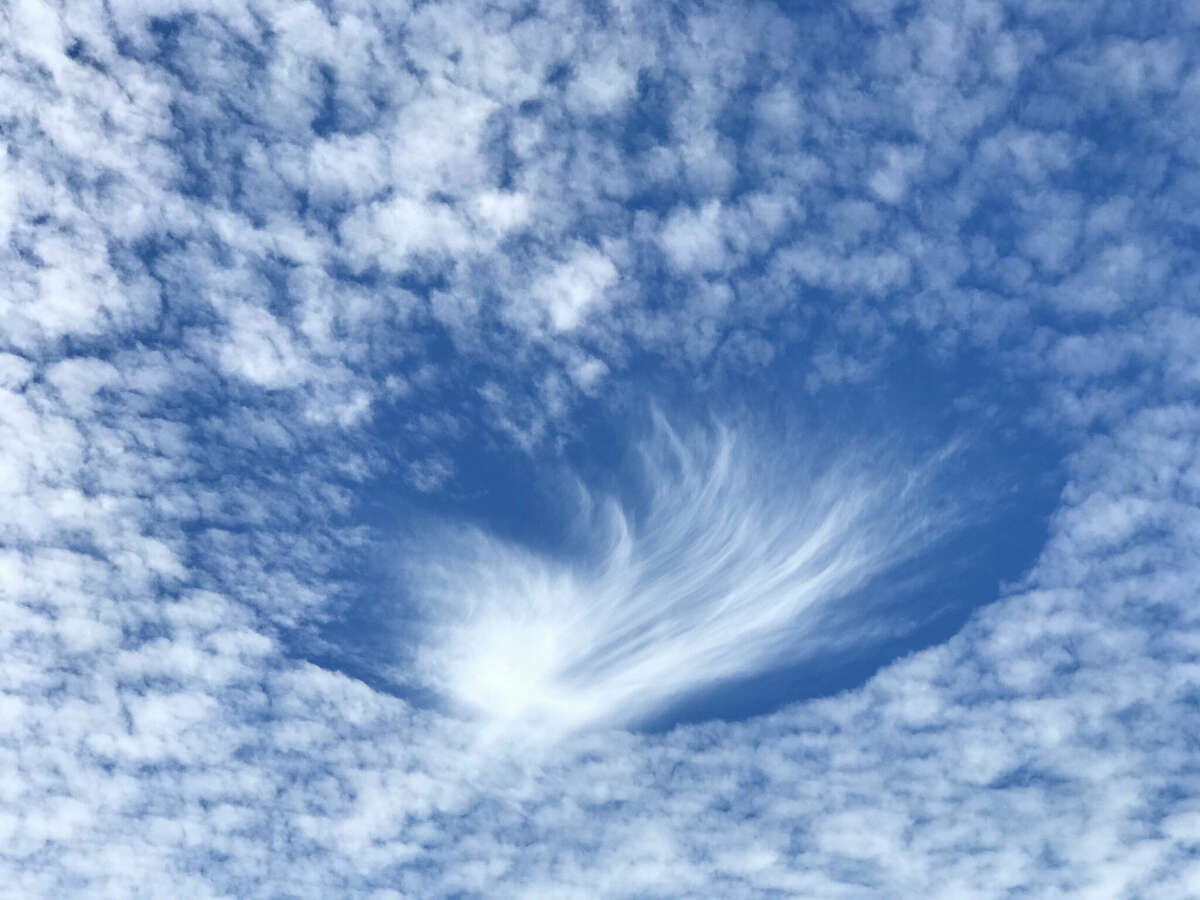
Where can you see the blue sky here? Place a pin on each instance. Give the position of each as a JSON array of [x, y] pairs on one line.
[[616, 449]]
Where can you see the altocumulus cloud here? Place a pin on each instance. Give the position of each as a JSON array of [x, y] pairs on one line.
[[264, 262]]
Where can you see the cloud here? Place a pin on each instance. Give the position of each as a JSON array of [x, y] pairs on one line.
[[692, 239], [739, 555], [575, 288], [266, 268]]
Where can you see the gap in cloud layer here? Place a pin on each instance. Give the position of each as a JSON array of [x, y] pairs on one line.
[[622, 581]]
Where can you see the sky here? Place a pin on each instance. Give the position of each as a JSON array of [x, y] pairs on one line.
[[613, 449]]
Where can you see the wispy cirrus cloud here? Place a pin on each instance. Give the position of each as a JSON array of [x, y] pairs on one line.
[[740, 553]]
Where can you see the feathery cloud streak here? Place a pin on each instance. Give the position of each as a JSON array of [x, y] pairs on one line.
[[735, 560]]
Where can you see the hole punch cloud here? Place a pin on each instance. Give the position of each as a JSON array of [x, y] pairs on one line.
[[742, 554]]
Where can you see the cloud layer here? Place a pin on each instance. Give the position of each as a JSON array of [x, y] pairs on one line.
[[259, 259]]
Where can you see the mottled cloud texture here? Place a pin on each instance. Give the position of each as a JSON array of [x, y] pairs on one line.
[[268, 268]]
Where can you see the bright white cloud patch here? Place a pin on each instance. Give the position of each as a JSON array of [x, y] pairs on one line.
[[692, 240], [575, 288]]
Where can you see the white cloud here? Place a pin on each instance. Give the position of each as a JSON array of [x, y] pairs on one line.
[[724, 572], [347, 168], [693, 241], [170, 216], [503, 211], [393, 230], [78, 379], [602, 85], [575, 288], [261, 350], [889, 182]]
